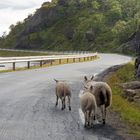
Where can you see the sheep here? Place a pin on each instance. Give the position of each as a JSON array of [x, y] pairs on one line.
[[102, 92], [63, 90], [89, 107]]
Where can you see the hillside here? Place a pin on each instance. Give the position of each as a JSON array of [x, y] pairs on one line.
[[96, 25]]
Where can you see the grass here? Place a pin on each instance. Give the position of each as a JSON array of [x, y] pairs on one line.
[[4, 53], [129, 112]]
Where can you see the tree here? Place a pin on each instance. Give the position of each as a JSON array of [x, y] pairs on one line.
[[115, 11], [4, 35]]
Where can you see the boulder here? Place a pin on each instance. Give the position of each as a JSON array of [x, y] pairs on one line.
[[132, 95], [70, 33], [129, 93], [90, 35], [131, 85]]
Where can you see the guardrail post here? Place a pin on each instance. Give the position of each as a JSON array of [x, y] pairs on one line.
[[41, 63], [59, 61], [84, 59], [67, 60], [14, 66], [51, 62], [79, 59], [28, 64], [73, 59]]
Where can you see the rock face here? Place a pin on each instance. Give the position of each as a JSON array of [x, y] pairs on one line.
[[132, 91], [132, 44], [45, 17]]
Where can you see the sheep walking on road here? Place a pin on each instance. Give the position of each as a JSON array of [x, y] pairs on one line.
[[63, 91], [89, 107], [102, 93]]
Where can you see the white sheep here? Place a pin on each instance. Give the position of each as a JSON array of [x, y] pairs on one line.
[[102, 92], [89, 107], [63, 91]]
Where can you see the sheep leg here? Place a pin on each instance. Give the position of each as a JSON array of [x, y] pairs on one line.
[[93, 117], [103, 113], [85, 114], [62, 100], [69, 103], [64, 103], [56, 101], [88, 118]]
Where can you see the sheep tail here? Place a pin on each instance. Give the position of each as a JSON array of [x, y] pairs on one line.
[[104, 96], [109, 97]]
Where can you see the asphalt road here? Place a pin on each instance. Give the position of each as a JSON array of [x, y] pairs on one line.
[[27, 103]]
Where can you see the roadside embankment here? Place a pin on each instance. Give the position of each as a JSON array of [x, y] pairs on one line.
[[124, 115]]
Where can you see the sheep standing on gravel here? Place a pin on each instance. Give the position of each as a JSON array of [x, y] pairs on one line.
[[63, 91], [102, 93], [89, 107]]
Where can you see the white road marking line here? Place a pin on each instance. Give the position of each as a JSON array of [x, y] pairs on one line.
[[81, 116], [80, 111], [81, 93]]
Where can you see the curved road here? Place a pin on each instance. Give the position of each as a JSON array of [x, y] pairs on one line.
[[27, 103]]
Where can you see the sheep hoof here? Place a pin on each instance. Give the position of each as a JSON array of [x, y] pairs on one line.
[[64, 106], [103, 121], [69, 108], [92, 125]]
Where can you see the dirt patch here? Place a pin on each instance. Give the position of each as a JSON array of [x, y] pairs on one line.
[[114, 118]]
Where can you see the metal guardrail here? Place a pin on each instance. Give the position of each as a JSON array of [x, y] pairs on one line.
[[50, 59]]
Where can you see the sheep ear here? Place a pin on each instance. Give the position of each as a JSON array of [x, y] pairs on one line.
[[91, 88], [85, 78], [92, 77], [55, 80]]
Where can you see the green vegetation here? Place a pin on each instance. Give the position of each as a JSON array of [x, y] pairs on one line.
[[4, 53], [129, 112], [96, 25]]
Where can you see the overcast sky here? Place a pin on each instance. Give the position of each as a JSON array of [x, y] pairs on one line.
[[12, 11]]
